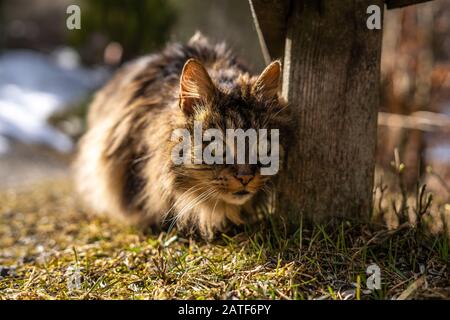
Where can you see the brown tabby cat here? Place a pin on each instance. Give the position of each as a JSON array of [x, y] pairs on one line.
[[124, 164]]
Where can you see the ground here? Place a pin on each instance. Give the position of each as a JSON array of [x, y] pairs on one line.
[[50, 248]]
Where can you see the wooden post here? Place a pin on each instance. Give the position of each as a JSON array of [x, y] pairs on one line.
[[331, 78]]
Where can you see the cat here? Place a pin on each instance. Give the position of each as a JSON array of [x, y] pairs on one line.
[[124, 166]]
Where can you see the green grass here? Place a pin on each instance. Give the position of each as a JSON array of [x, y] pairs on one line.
[[45, 235]]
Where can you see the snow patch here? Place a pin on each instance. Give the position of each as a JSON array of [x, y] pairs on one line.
[[33, 86]]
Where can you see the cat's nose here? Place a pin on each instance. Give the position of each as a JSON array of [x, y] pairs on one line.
[[244, 179], [244, 173]]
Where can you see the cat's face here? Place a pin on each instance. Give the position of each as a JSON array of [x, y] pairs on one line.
[[249, 103]]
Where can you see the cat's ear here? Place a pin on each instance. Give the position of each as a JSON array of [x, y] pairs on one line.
[[268, 83], [196, 86]]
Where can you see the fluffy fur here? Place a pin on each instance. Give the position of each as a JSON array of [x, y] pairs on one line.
[[124, 164]]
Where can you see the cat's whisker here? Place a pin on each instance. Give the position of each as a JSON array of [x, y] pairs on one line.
[[190, 191], [177, 217], [268, 189], [215, 204], [193, 203], [193, 200], [137, 160], [181, 198]]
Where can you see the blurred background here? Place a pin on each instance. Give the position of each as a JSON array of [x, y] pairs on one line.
[[48, 74]]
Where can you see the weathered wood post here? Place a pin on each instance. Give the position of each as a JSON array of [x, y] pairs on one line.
[[331, 77]]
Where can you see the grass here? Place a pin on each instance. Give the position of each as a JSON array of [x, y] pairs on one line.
[[51, 249]]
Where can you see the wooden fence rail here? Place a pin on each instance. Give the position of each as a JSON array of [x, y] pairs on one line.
[[420, 120]]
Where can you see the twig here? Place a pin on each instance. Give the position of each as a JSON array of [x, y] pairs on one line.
[[413, 287]]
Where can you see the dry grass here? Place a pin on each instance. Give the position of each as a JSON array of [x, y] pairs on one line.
[[45, 236]]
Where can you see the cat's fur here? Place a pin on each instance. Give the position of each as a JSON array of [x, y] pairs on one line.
[[124, 166]]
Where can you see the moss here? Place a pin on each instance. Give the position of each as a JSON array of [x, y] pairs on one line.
[[50, 248]]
